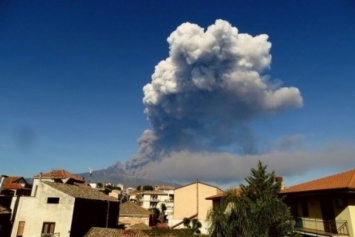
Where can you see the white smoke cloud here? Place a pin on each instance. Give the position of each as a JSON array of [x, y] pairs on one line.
[[202, 97]]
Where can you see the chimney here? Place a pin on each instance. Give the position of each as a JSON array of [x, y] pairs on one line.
[[280, 180]]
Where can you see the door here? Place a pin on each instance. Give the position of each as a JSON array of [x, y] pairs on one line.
[[328, 215]]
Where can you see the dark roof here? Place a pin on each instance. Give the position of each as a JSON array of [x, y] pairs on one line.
[[345, 180], [60, 174], [107, 232], [131, 209], [80, 191]]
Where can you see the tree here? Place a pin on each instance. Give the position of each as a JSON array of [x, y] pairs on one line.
[[148, 188], [155, 211], [162, 216], [193, 225], [257, 211]]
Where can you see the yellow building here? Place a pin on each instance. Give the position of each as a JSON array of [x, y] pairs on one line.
[[324, 207], [190, 202]]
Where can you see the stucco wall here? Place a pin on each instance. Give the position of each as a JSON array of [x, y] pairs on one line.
[[35, 210], [134, 220], [348, 214], [191, 199]]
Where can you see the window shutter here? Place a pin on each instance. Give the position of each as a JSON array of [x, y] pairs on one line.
[[20, 228]]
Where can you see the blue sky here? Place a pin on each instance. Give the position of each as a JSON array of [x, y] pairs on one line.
[[72, 73]]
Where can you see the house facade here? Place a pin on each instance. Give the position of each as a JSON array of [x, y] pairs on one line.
[[190, 202], [59, 206], [324, 207], [155, 199]]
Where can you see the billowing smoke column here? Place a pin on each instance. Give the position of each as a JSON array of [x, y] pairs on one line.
[[203, 95]]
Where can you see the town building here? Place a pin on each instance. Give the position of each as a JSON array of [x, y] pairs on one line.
[[325, 206], [62, 205], [131, 214], [190, 202]]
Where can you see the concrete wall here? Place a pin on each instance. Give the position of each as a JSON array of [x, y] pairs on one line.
[[35, 210]]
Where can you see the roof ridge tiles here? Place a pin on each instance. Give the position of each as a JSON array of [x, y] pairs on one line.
[[352, 180], [336, 181]]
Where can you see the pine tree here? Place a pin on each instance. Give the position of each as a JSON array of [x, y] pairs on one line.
[[257, 211]]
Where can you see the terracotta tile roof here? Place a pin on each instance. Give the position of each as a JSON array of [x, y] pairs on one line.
[[80, 191], [132, 209], [345, 180], [14, 182], [107, 232], [165, 187], [235, 191], [139, 226], [60, 174]]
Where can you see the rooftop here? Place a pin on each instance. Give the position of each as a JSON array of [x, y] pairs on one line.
[[80, 191], [132, 209], [154, 193], [60, 174], [139, 226], [345, 180], [199, 182], [108, 232], [15, 182], [235, 191]]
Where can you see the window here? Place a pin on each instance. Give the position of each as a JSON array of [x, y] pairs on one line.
[[48, 227], [20, 228], [304, 206], [53, 200]]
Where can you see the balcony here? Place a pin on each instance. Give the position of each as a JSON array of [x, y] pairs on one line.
[[320, 227], [50, 235], [154, 200]]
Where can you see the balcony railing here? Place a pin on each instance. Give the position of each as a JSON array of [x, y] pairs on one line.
[[50, 235], [313, 225]]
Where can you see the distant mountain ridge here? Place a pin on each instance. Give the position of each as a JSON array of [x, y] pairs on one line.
[[116, 174]]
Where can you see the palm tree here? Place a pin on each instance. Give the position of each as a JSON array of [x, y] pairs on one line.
[[193, 225]]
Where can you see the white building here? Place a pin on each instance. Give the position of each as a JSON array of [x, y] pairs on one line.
[[61, 207], [155, 199]]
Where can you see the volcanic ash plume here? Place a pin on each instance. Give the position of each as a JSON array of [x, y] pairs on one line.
[[203, 95]]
